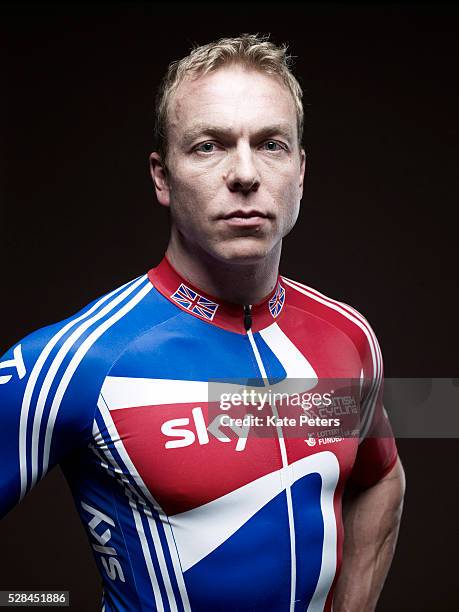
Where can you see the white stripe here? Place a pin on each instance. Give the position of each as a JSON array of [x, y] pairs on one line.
[[300, 375], [348, 311], [130, 492], [119, 446], [329, 472], [201, 530], [368, 416], [292, 359], [370, 401], [162, 563], [103, 463], [287, 473], [147, 556], [81, 352], [296, 365], [122, 392], [113, 433], [32, 382], [56, 363], [260, 365], [358, 320], [117, 472], [156, 392]]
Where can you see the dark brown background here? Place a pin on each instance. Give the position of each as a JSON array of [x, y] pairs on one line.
[[378, 228]]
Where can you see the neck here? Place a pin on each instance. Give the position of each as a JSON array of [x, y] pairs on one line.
[[240, 283]]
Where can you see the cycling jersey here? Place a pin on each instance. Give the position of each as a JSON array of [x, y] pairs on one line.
[[181, 515]]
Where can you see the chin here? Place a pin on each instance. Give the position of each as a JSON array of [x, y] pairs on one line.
[[243, 254]]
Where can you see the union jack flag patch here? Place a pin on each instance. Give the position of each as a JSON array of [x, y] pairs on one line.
[[277, 301], [195, 303]]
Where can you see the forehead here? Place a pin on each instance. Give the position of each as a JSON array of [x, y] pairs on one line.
[[234, 97]]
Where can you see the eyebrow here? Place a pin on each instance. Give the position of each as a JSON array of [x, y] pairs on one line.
[[203, 129]]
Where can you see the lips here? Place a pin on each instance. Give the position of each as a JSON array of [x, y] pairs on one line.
[[242, 220], [245, 214]]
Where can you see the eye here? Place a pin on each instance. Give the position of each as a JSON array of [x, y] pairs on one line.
[[272, 145], [206, 147]]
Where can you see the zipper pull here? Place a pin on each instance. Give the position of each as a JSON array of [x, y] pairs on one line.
[[247, 316]]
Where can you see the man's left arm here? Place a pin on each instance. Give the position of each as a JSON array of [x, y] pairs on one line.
[[371, 518]]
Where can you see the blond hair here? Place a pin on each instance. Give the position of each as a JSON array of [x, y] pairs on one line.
[[250, 50]]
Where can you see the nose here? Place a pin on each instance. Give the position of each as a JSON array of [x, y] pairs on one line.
[[243, 175]]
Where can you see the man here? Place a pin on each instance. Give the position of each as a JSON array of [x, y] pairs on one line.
[[181, 513]]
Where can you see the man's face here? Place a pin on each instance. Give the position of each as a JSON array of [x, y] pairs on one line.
[[235, 170]]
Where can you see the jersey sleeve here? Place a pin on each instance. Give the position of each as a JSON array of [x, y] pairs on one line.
[[377, 451], [41, 419]]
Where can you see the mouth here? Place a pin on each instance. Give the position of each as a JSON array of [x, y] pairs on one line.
[[246, 218]]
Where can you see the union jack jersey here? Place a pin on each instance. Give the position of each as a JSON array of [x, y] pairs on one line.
[[183, 509]]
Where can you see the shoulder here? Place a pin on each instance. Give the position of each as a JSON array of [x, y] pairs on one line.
[[79, 346], [78, 352], [80, 329], [334, 312], [50, 381]]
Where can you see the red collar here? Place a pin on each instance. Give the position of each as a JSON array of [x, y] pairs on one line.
[[213, 310]]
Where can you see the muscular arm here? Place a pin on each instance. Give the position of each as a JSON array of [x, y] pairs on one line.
[[371, 522]]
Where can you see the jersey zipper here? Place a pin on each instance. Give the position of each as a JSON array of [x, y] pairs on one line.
[[286, 475], [247, 317]]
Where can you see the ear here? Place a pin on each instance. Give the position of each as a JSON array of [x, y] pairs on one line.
[[159, 175], [302, 169]]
